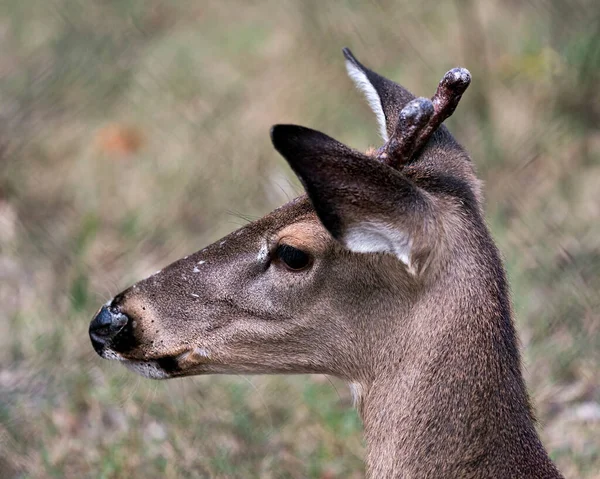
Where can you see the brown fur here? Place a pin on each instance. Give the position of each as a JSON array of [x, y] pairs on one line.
[[429, 344]]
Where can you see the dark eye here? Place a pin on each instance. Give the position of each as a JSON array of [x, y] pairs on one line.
[[291, 257]]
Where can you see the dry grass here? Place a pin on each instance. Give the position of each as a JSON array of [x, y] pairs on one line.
[[134, 132]]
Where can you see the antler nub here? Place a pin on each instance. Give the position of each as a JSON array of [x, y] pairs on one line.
[[413, 119], [450, 90], [446, 98], [421, 117]]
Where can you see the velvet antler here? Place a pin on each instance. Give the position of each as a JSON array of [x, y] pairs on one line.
[[421, 117]]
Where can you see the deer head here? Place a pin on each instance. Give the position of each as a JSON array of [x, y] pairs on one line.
[[384, 275]]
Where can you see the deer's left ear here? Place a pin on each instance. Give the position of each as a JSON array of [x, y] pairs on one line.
[[366, 205], [385, 97]]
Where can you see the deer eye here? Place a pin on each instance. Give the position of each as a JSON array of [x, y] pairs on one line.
[[293, 258]]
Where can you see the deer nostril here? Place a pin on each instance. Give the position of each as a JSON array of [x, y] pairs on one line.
[[106, 325]]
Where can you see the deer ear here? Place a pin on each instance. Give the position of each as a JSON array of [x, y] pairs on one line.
[[385, 97], [366, 205]]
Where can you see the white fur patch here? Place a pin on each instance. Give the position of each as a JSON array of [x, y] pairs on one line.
[[110, 354], [364, 85], [375, 237], [148, 369], [202, 352], [194, 355], [356, 390], [263, 254], [196, 269]]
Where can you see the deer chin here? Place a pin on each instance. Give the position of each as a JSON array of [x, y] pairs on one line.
[[191, 362], [148, 368]]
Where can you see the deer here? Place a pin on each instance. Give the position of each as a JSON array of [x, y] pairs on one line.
[[383, 274]]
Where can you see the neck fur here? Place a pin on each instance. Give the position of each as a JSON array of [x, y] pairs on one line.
[[452, 402]]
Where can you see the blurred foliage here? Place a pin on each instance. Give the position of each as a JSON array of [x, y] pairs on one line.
[[134, 132]]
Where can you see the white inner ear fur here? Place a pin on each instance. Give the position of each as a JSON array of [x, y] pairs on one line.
[[376, 237], [364, 85]]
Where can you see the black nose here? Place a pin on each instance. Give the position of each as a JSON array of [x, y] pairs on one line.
[[105, 326]]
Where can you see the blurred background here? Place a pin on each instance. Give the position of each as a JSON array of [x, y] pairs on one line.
[[134, 132]]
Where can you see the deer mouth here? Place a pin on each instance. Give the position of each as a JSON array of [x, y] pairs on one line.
[[190, 362], [166, 367], [160, 368]]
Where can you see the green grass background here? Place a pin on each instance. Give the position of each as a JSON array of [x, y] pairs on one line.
[[135, 132]]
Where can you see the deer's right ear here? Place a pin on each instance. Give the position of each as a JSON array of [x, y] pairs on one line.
[[385, 97], [366, 205]]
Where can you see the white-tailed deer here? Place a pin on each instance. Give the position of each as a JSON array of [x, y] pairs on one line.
[[384, 275]]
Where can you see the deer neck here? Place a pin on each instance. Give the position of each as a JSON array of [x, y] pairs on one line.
[[450, 400]]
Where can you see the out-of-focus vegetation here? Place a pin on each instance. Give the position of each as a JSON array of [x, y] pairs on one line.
[[133, 132]]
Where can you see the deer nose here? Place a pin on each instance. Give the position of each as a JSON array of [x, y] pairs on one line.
[[105, 326]]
